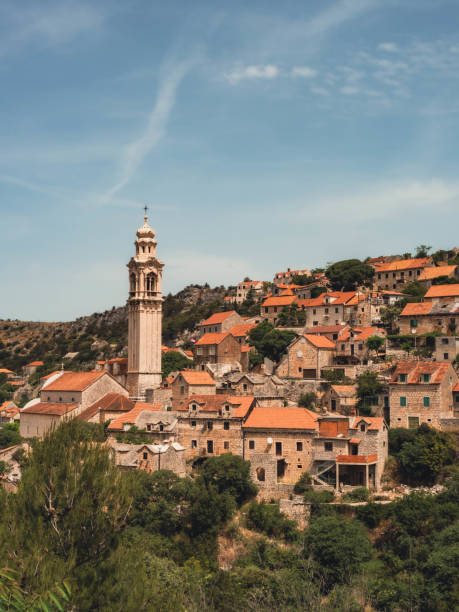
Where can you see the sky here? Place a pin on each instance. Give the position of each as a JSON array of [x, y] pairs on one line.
[[262, 135]]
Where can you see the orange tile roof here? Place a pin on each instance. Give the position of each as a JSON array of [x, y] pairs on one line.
[[354, 441], [240, 331], [212, 338], [456, 388], [415, 370], [194, 377], [367, 332], [34, 363], [356, 458], [15, 383], [320, 341], [52, 374], [374, 423], [335, 298], [281, 418], [279, 301], [48, 408], [111, 402], [286, 292], [416, 308], [326, 329], [403, 264], [218, 317], [443, 291], [5, 371], [129, 418], [436, 272], [74, 381], [344, 390], [213, 403]]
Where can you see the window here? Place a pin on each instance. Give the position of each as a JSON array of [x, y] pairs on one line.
[[402, 400], [252, 444], [413, 322], [360, 347], [227, 408], [210, 446], [362, 427], [402, 377], [261, 474], [336, 309], [49, 399], [313, 311], [193, 423], [148, 427], [244, 386], [161, 428], [275, 308], [209, 425], [278, 448], [342, 347], [73, 399], [226, 425], [326, 311], [182, 390], [333, 405], [226, 445], [446, 356], [300, 467], [379, 275], [426, 377], [194, 443], [299, 446], [444, 340], [328, 446], [266, 309], [426, 401], [145, 456], [413, 422], [60, 399]]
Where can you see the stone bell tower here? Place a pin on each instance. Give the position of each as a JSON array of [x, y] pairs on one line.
[[145, 313]]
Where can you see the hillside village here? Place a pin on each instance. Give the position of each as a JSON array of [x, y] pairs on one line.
[[301, 374]]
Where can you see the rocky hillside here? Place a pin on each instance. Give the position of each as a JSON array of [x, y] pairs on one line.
[[103, 334]]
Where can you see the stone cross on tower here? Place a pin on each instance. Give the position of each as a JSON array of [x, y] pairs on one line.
[[144, 314]]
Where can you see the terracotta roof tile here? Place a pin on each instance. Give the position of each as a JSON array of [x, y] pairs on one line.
[[218, 317], [34, 363], [194, 377], [436, 272], [416, 308], [320, 341], [281, 418], [129, 418], [367, 332], [443, 291], [48, 408], [111, 402], [344, 390], [74, 381], [403, 264], [279, 301], [240, 331], [212, 338], [326, 329], [415, 370], [213, 403]]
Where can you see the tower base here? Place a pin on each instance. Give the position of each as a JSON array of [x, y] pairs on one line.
[[138, 383]]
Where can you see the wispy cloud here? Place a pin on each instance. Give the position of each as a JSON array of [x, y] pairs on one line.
[[241, 73], [46, 24], [389, 47], [135, 152], [304, 71]]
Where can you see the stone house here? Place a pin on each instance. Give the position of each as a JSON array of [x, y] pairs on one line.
[[243, 288], [428, 275], [9, 412], [37, 418], [211, 425], [278, 444], [108, 407], [419, 318], [396, 274], [32, 367], [341, 399], [191, 382], [333, 308], [117, 367], [150, 419], [351, 347], [82, 388], [149, 457], [446, 348], [332, 332], [220, 322], [240, 332], [258, 385], [286, 277], [456, 401], [350, 451], [306, 357], [216, 348], [421, 392], [443, 294], [272, 306]]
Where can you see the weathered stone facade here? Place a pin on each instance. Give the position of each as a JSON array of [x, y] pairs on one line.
[[306, 356]]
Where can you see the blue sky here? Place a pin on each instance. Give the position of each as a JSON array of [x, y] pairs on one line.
[[261, 134]]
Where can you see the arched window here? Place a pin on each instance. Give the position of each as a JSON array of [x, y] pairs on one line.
[[151, 282], [133, 282], [261, 474]]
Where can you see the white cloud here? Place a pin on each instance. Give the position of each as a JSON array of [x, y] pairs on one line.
[[136, 151], [267, 71], [304, 71], [320, 91], [389, 47], [349, 91]]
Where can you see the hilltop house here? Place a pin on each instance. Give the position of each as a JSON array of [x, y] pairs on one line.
[[191, 382], [220, 322], [396, 274]]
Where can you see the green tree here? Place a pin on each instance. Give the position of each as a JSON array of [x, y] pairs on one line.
[[338, 548], [422, 250], [231, 474], [389, 316], [173, 361], [368, 388], [349, 274], [375, 343], [308, 400], [291, 316], [9, 435], [270, 342], [416, 289]]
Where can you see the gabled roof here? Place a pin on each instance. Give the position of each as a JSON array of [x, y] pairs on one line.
[[111, 402], [194, 377], [367, 332], [281, 418], [279, 300], [443, 291], [320, 341], [35, 363], [241, 331], [416, 308], [436, 272], [218, 317], [403, 264], [212, 403], [415, 370], [5, 371], [50, 409], [344, 390], [74, 381], [335, 298], [374, 423], [212, 338], [129, 418]]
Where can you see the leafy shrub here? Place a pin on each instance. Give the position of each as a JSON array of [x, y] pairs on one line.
[[268, 519], [360, 494], [304, 482], [318, 497]]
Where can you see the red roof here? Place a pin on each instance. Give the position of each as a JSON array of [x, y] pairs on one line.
[[326, 329], [356, 458], [218, 317], [374, 423], [241, 331], [281, 418], [56, 409], [367, 332], [279, 301], [416, 308], [195, 377], [416, 369], [111, 402], [213, 403], [130, 417], [212, 338], [320, 341], [436, 272], [443, 291], [74, 381], [344, 390], [403, 264], [34, 363]]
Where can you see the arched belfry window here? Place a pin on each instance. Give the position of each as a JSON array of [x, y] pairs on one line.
[[151, 282], [133, 282]]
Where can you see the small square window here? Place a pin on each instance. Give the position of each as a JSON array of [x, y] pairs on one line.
[[328, 446], [300, 467], [145, 455], [226, 425], [446, 356], [299, 446], [426, 377], [402, 400], [226, 445], [251, 444], [402, 377], [193, 423], [194, 443]]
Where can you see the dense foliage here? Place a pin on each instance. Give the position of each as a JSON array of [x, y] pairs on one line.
[[270, 342], [349, 274]]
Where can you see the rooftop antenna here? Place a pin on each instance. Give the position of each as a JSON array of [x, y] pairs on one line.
[[145, 209]]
